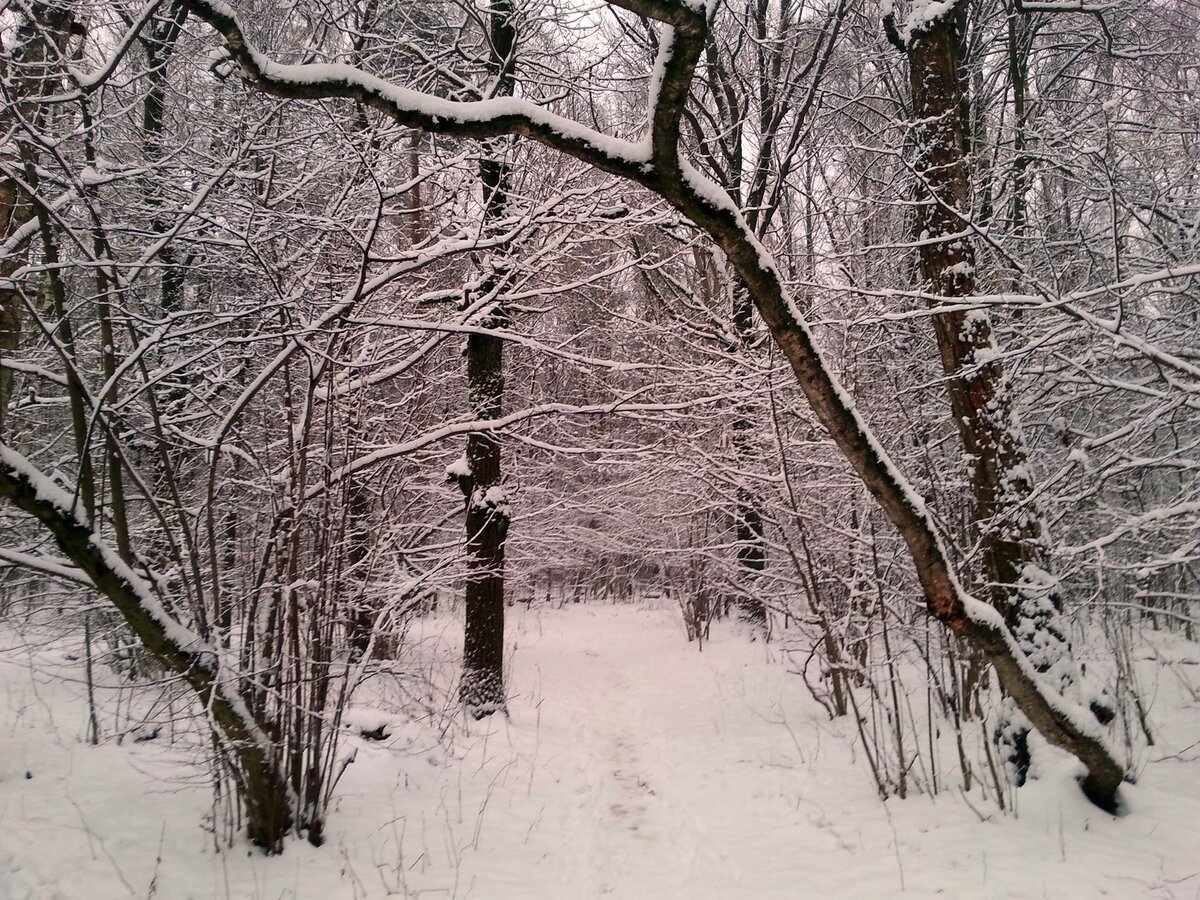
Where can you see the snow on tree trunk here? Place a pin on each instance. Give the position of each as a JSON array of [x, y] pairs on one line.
[[482, 687], [751, 549], [1016, 563]]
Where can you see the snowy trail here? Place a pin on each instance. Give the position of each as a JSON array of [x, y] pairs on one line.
[[640, 718], [632, 768], [663, 757], [635, 767], [700, 784]]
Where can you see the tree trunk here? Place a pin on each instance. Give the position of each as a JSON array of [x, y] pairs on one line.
[[41, 37], [14, 212], [482, 687], [751, 549], [1016, 561], [1014, 554]]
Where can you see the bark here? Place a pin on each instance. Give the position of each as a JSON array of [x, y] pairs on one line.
[[748, 521], [1011, 534], [253, 761], [729, 159], [362, 614], [1019, 38], [105, 304], [14, 212], [43, 33], [160, 48], [1015, 559], [755, 184], [482, 686], [64, 334]]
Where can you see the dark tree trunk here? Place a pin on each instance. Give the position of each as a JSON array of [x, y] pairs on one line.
[[362, 614], [482, 687], [40, 29], [751, 551], [160, 47], [14, 212], [1015, 559]]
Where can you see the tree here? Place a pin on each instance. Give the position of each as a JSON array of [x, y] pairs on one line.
[[1019, 573], [487, 514], [658, 164]]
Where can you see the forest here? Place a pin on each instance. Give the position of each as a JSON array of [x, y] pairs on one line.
[[588, 448]]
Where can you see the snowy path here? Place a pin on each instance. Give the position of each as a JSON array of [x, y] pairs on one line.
[[692, 803], [635, 767], [632, 722], [632, 767]]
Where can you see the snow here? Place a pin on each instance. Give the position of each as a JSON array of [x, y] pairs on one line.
[[65, 503], [364, 720], [666, 48], [632, 767], [179, 635], [461, 112], [460, 468], [718, 198], [923, 14]]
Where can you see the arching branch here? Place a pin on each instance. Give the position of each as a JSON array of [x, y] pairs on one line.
[[655, 163]]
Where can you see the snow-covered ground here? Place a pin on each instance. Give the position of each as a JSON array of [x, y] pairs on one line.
[[632, 767]]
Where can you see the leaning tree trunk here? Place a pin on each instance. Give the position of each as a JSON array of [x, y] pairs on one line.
[[253, 759], [253, 762], [1015, 556], [481, 689]]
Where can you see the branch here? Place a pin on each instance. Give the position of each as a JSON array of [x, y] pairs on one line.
[[676, 13], [178, 648], [46, 565], [670, 84], [1024, 6], [620, 406], [892, 32], [474, 119]]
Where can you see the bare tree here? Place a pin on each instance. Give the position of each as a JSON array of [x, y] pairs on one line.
[[657, 164], [487, 513], [1019, 572]]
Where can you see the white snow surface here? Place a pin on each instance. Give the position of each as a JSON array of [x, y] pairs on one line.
[[923, 14], [632, 766]]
